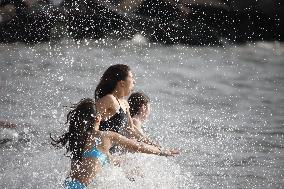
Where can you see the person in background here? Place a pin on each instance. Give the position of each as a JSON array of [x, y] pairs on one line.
[[7, 124], [89, 147], [139, 104], [8, 132]]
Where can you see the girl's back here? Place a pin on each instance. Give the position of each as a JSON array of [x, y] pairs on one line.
[[94, 157]]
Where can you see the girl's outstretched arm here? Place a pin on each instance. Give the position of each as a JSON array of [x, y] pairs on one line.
[[134, 146]]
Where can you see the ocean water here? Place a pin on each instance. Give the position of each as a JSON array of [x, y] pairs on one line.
[[222, 107]]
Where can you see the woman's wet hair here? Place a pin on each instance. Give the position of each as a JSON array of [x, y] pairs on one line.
[[110, 78], [136, 100], [80, 120]]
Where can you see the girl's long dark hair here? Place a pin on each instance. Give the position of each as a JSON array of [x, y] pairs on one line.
[[80, 120], [110, 78]]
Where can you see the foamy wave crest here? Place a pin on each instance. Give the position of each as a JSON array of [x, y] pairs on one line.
[[47, 169], [145, 171]]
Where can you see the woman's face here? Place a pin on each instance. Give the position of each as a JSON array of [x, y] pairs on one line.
[[129, 83]]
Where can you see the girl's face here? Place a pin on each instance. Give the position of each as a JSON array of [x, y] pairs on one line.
[[146, 109]]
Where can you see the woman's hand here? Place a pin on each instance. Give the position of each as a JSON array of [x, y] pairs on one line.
[[166, 153]]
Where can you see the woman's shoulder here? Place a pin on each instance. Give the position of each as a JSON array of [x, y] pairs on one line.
[[125, 102], [107, 99]]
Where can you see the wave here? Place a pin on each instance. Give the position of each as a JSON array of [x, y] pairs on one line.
[[47, 168]]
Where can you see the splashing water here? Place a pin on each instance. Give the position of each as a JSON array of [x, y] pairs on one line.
[[222, 107]]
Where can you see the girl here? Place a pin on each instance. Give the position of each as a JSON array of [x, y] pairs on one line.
[[89, 147], [139, 109]]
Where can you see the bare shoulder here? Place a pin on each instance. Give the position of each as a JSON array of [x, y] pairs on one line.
[[106, 99], [125, 102], [105, 102]]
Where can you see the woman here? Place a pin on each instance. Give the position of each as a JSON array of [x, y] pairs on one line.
[[89, 147], [116, 83]]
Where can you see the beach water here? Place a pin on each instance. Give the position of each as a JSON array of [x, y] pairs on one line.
[[222, 107]]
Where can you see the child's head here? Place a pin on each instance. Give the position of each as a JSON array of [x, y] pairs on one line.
[[139, 105], [82, 119]]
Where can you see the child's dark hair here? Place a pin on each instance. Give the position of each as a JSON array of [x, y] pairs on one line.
[[136, 100], [80, 120]]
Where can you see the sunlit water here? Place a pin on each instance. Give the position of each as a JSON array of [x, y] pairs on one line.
[[222, 107]]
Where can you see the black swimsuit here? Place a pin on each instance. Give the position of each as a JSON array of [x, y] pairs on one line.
[[117, 123]]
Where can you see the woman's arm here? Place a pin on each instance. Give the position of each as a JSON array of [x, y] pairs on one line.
[[133, 131], [134, 146], [106, 107]]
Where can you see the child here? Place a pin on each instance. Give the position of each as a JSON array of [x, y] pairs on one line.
[[89, 147], [139, 108]]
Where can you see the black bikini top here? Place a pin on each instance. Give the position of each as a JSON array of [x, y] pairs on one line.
[[116, 123]]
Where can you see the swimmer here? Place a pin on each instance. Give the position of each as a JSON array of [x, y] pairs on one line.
[[139, 108], [116, 83], [89, 147], [8, 132]]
